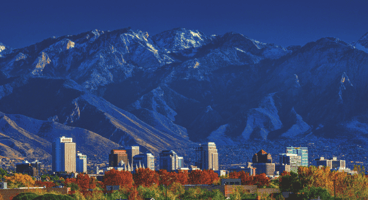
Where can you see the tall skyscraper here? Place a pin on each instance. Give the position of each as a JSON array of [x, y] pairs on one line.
[[117, 157], [146, 160], [63, 155], [208, 156], [300, 151], [81, 163], [132, 151], [169, 160]]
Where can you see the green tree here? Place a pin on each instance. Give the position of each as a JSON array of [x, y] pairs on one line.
[[314, 193], [290, 183], [53, 197], [3, 172], [25, 196]]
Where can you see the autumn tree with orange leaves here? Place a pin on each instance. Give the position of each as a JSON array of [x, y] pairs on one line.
[[344, 185], [260, 180], [167, 178], [83, 181], [115, 177], [182, 177], [199, 177], [214, 178], [19, 180], [146, 177], [47, 184]]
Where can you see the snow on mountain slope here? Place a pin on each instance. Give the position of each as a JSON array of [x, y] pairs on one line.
[[37, 136], [362, 43], [262, 120], [4, 50], [132, 88], [92, 61], [298, 128], [160, 107], [180, 39], [66, 102], [219, 137]]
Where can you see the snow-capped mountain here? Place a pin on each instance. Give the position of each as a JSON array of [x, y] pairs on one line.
[[182, 86]]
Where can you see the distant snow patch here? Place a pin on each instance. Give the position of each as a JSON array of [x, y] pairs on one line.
[[358, 126], [299, 128], [265, 118], [218, 136]]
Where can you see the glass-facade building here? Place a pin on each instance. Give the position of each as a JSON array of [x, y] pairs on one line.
[[291, 159], [300, 151], [81, 163]]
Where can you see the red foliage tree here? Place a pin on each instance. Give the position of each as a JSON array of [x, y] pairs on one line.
[[285, 173], [261, 180], [134, 194], [47, 184], [199, 177], [234, 175], [167, 178], [85, 183], [122, 178], [182, 177], [146, 177], [245, 178], [214, 178]]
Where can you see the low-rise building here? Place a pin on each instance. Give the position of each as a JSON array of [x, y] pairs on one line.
[[25, 167], [334, 163], [248, 169], [282, 167]]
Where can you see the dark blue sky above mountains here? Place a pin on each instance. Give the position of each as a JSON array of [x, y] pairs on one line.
[[24, 22]]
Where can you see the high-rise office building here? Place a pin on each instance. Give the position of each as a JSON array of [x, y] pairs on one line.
[[132, 151], [300, 151], [170, 161], [81, 163], [208, 156], [262, 161], [180, 162], [118, 157], [291, 159], [146, 160], [63, 155]]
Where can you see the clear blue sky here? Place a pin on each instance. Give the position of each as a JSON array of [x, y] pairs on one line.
[[284, 22]]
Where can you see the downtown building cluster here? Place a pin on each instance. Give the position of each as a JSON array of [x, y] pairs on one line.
[[290, 161], [65, 159]]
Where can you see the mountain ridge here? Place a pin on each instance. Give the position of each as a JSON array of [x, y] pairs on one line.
[[180, 87]]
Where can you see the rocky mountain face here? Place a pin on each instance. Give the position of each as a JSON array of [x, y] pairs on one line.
[[180, 86]]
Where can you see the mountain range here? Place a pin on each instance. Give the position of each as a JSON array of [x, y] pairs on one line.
[[177, 88]]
